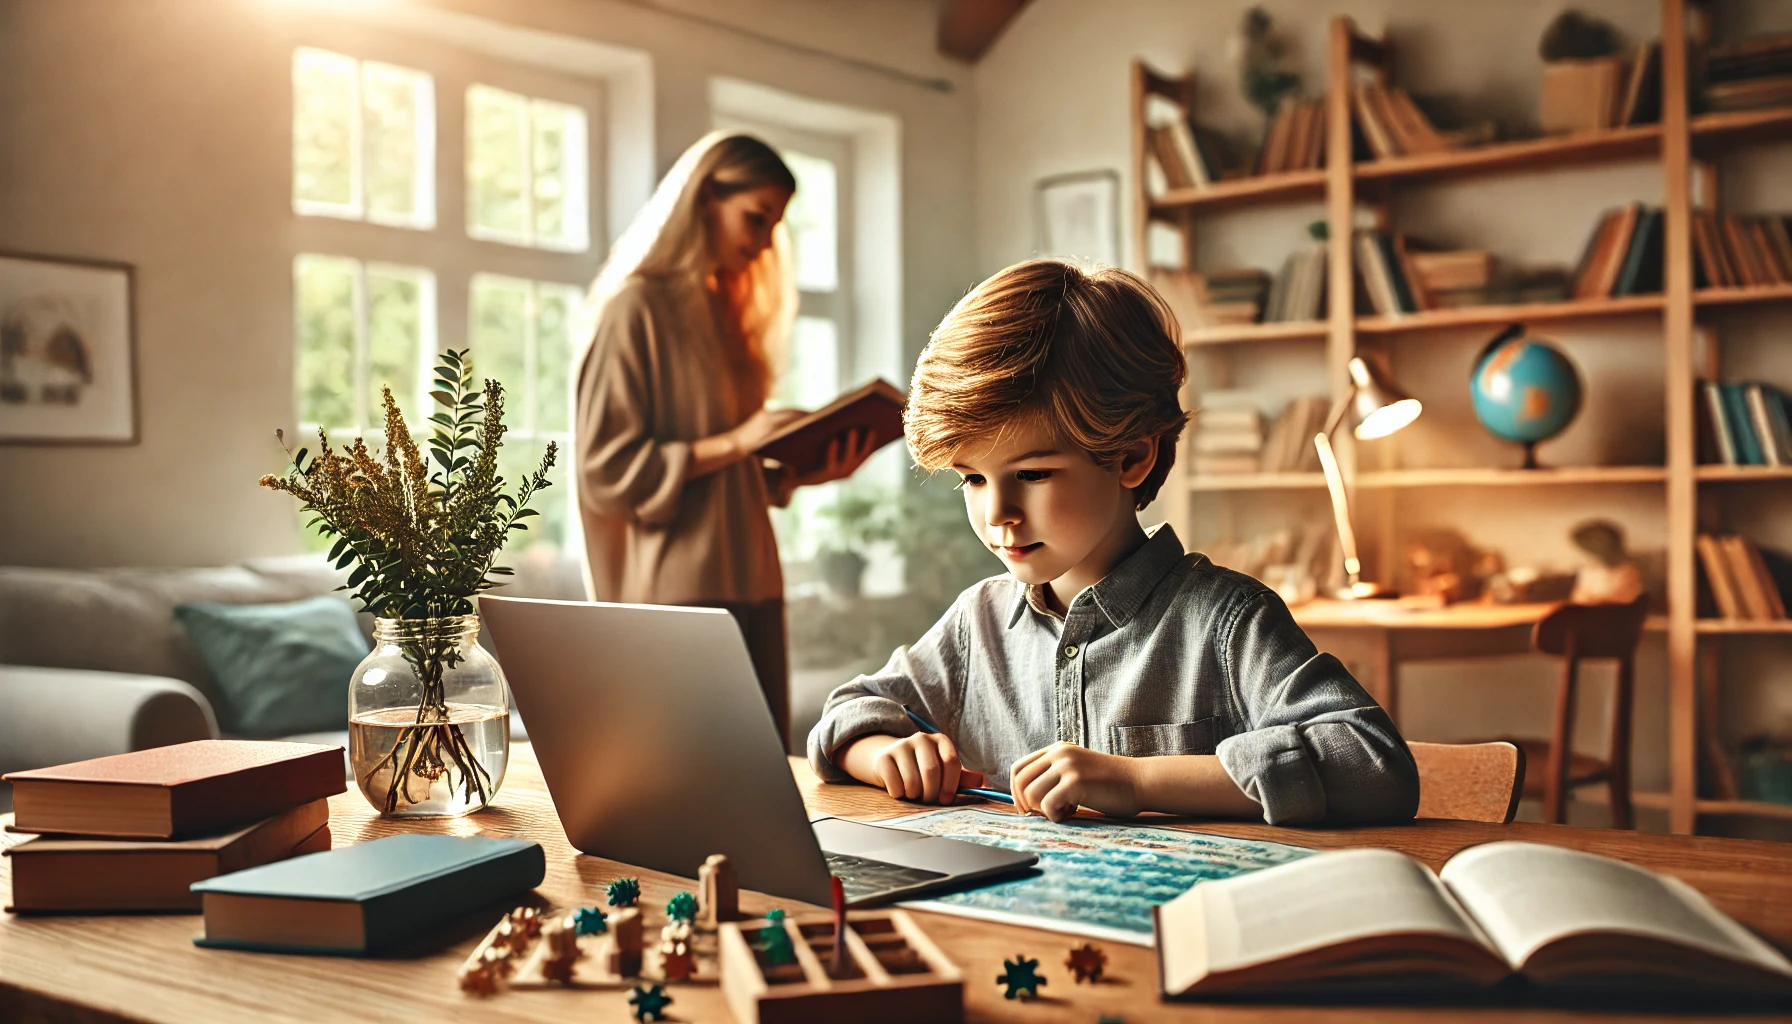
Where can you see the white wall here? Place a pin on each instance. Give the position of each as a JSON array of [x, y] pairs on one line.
[[1053, 96], [169, 149]]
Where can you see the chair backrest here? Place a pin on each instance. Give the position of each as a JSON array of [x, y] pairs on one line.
[[1592, 630], [1469, 781]]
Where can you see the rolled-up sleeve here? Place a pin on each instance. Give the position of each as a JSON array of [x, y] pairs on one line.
[[1318, 748], [624, 470], [925, 676]]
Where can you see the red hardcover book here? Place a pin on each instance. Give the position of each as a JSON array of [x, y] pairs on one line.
[[875, 408], [188, 789]]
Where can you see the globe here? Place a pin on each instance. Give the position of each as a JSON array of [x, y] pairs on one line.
[[1524, 390]]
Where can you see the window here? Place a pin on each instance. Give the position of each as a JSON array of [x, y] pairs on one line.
[[363, 140], [361, 327], [526, 171], [525, 333]]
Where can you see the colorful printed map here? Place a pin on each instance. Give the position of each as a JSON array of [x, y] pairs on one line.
[[1094, 878]]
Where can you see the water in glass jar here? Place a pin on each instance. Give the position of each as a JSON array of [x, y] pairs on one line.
[[478, 731]]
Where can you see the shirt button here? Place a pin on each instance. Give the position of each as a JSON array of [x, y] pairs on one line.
[[1070, 651]]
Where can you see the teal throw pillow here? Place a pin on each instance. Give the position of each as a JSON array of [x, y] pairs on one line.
[[280, 668]]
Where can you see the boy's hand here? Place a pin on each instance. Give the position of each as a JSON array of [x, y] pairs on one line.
[[1055, 780], [922, 767]]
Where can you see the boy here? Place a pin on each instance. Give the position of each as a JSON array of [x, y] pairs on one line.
[[1108, 670]]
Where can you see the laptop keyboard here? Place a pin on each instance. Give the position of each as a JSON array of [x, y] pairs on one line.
[[863, 878]]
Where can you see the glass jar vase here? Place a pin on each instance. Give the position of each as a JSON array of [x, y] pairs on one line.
[[428, 719]]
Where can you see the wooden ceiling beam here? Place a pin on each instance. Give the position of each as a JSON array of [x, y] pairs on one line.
[[968, 27]]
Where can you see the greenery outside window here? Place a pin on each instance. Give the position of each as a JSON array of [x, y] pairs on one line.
[[363, 140], [526, 171]]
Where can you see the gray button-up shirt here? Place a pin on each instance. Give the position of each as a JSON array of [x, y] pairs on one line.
[[1169, 654]]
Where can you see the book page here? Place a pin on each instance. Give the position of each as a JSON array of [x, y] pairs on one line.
[[1325, 900], [1525, 895]]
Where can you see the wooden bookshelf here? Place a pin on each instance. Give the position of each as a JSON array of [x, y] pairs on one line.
[[1693, 644], [1530, 312], [1638, 143]]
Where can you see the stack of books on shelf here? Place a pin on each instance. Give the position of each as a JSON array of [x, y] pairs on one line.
[[1623, 256], [1450, 280], [1392, 124], [1298, 293], [132, 832], [1746, 425], [1296, 139], [1228, 435], [1386, 276], [1746, 583], [1737, 252], [1213, 299], [1179, 155], [1749, 75], [1289, 448]]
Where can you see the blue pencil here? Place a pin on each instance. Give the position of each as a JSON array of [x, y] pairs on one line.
[[988, 794]]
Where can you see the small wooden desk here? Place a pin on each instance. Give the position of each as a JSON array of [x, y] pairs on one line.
[[1372, 637], [77, 969]]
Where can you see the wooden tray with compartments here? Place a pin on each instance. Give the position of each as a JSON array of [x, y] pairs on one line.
[[893, 973]]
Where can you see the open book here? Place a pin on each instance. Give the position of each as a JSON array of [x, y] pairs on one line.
[[875, 408], [1377, 919]]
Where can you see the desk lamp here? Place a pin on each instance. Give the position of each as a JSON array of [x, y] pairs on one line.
[[1376, 408]]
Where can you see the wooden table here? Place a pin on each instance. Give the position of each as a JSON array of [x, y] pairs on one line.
[[68, 969]]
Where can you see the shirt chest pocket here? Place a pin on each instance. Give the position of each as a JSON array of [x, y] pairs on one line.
[[1155, 740]]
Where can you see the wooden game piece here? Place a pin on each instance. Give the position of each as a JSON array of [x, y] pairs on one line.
[[623, 892], [563, 954], [682, 907], [837, 893], [649, 1002], [589, 921], [893, 971], [1022, 978], [1087, 963], [625, 937], [718, 891], [677, 963], [774, 940], [480, 975]]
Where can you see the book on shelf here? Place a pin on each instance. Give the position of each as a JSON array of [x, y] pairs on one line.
[[1751, 74], [1450, 271], [1736, 251], [110, 876], [1228, 433], [1747, 424], [1384, 274], [1642, 92], [1623, 255], [174, 792], [1746, 583], [1289, 446], [1297, 295], [1296, 138], [1376, 919], [1179, 155], [1212, 299]]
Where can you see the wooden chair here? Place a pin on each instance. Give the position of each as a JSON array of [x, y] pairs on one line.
[[1469, 781], [1578, 632]]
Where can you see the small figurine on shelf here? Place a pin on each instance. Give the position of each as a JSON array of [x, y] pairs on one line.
[[649, 1002], [590, 921], [720, 889], [1022, 978], [623, 892], [1087, 963]]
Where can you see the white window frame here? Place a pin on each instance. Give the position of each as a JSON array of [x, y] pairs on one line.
[[578, 201], [424, 218], [367, 419]]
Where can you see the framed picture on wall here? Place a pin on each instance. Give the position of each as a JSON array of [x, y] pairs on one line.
[[1079, 216], [68, 361]]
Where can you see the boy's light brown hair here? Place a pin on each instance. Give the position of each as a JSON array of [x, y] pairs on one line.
[[1096, 353]]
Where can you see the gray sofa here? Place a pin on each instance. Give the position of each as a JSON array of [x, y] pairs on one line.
[[93, 662]]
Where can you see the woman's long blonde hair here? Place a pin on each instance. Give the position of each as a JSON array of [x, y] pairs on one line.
[[669, 237]]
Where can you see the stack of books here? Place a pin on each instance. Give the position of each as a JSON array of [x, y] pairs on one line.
[[1448, 280], [1179, 155], [132, 832], [1736, 252], [1746, 424], [1289, 448], [1228, 436], [1392, 124], [1296, 139], [1742, 579], [1212, 299], [1382, 263], [1623, 256], [1298, 293], [1749, 75]]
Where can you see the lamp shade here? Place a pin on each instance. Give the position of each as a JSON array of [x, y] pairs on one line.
[[1377, 406]]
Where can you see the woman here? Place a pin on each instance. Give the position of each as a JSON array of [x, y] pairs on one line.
[[692, 310]]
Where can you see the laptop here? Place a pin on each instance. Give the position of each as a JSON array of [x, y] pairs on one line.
[[658, 750]]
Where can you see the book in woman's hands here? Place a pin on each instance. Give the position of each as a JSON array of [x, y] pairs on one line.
[[875, 409], [1377, 919]]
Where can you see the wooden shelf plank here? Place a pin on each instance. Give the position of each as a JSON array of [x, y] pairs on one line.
[[1530, 312], [1264, 188], [1484, 477], [1740, 474], [1730, 127], [1742, 627], [1257, 482], [1229, 334], [1748, 808], [1526, 155], [1742, 296]]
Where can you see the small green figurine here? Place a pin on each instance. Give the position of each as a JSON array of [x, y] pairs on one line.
[[1021, 975], [624, 892], [649, 1002], [682, 907], [590, 921], [775, 941]]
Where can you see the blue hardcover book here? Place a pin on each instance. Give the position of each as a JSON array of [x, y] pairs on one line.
[[1748, 446], [364, 898], [1780, 418]]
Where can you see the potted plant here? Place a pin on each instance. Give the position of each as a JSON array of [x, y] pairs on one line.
[[429, 713], [855, 520]]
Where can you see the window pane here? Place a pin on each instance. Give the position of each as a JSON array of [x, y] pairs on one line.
[[557, 309], [397, 300], [323, 131], [399, 121], [519, 458], [498, 336], [497, 152], [324, 288], [813, 219], [813, 377], [560, 195]]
